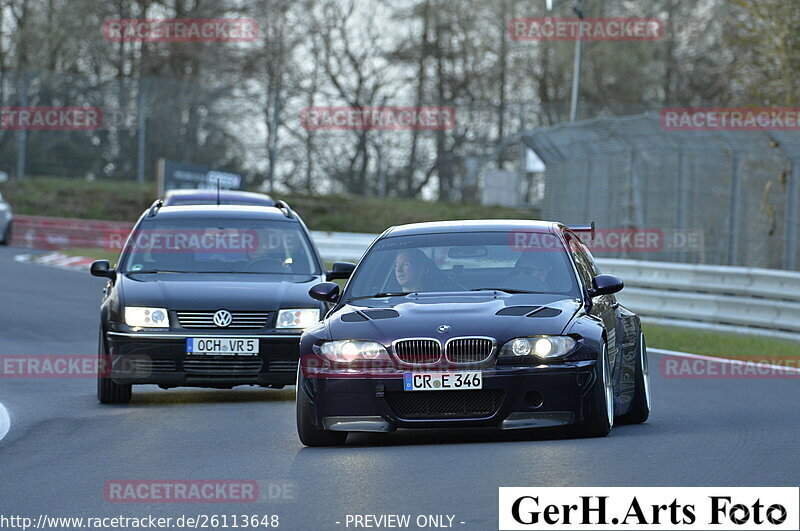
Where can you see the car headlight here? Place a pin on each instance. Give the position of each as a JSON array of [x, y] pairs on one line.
[[349, 351], [146, 317], [297, 319], [543, 347]]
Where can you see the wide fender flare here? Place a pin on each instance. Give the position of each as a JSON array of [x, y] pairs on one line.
[[591, 330]]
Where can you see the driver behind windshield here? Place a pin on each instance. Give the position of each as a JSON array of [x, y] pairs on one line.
[[415, 272], [410, 269], [259, 248]]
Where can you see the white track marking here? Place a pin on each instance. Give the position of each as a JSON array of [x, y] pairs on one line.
[[663, 352], [5, 421]]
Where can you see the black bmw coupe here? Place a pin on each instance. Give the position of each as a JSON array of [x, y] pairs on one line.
[[500, 323]]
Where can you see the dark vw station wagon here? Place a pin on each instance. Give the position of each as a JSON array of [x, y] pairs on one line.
[[208, 296]]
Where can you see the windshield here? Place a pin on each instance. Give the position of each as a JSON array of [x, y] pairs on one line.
[[219, 246], [460, 262]]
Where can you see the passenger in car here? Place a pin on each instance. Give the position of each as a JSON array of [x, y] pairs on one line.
[[532, 271], [530, 265]]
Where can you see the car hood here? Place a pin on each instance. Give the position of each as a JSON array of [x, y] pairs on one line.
[[177, 291], [497, 315]]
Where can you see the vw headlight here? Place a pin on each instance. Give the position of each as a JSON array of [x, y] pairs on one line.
[[146, 317], [297, 319], [543, 347], [349, 351]]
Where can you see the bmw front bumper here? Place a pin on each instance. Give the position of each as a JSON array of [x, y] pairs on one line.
[[512, 397]]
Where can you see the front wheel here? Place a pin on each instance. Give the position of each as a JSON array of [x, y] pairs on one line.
[[601, 402], [640, 407], [309, 434], [109, 392]]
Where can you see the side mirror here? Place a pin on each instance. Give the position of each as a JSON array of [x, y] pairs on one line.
[[605, 285], [325, 292], [101, 268], [340, 270]]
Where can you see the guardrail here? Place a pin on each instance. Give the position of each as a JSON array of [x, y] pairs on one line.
[[743, 299], [342, 246], [729, 298]]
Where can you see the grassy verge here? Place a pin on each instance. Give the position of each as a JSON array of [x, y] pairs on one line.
[[125, 201], [78, 198], [739, 346]]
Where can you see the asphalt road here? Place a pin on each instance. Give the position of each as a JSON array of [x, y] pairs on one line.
[[63, 446]]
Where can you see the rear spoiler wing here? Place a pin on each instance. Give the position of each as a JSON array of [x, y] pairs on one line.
[[583, 228]]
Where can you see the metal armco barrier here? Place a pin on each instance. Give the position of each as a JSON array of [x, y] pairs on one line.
[[342, 246], [758, 299], [727, 298]]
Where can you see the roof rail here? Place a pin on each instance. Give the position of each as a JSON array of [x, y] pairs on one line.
[[154, 208], [583, 228], [284, 207]]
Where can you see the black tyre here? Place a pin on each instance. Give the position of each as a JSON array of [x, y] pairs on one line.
[[109, 392], [6, 237], [601, 403], [309, 434], [640, 407]]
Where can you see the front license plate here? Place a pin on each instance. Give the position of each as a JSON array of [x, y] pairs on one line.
[[442, 381], [222, 346]]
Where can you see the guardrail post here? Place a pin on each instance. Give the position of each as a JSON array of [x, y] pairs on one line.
[[680, 216], [733, 220]]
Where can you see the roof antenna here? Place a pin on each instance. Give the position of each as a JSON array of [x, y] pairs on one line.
[[217, 191]]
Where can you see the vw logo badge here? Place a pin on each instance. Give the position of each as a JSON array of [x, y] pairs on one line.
[[443, 329], [222, 318]]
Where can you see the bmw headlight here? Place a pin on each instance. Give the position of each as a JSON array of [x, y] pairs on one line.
[[349, 351], [299, 319], [146, 317], [542, 347]]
